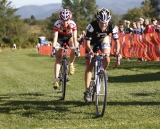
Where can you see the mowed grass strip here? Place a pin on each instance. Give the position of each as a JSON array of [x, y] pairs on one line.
[[28, 101]]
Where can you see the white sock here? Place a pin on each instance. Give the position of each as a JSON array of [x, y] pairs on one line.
[[56, 80], [71, 63]]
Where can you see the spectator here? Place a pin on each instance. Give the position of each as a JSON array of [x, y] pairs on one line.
[[141, 20], [139, 29], [133, 30], [121, 28], [128, 30], [38, 46], [148, 27], [155, 26], [14, 46], [124, 24]]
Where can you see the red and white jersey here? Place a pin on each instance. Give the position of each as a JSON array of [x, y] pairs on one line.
[[58, 26]]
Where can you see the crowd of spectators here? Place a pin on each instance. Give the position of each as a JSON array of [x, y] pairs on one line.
[[139, 27]]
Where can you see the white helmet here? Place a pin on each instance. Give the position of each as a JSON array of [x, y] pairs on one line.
[[65, 15], [103, 15]]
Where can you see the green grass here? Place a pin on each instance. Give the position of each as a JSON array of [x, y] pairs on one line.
[[28, 101]]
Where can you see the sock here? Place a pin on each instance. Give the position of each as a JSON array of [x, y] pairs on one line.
[[56, 80]]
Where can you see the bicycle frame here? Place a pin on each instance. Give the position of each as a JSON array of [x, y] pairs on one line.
[[98, 65], [63, 74], [98, 84]]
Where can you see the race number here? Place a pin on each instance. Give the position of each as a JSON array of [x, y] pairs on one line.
[[90, 28]]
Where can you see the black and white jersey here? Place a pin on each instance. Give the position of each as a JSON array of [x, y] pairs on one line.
[[95, 34]]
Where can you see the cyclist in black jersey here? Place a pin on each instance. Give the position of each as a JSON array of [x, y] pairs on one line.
[[98, 38]]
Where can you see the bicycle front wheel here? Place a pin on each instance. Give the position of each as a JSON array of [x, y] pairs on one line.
[[101, 93], [64, 78]]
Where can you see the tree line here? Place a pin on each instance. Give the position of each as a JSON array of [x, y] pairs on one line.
[[25, 32]]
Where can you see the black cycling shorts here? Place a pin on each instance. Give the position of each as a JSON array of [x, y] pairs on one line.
[[64, 38], [96, 47]]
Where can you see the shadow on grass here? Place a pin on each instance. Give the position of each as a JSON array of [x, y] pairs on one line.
[[134, 103], [22, 105], [125, 64], [135, 78]]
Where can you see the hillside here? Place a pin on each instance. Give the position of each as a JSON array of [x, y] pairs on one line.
[[44, 11]]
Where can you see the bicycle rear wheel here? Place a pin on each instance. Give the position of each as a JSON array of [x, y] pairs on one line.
[[64, 77], [101, 93]]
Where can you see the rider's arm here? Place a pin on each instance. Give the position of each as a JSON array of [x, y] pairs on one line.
[[117, 45], [88, 46], [116, 38], [88, 37], [75, 38], [55, 38]]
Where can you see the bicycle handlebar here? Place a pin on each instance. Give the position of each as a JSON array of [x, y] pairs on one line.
[[94, 55], [66, 48], [102, 55]]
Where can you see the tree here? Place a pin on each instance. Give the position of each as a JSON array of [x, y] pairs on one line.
[[147, 9], [133, 14], [10, 24], [47, 27], [30, 21], [154, 6]]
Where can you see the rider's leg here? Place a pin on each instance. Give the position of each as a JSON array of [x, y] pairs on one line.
[[88, 74], [106, 49], [58, 56], [72, 56], [106, 58]]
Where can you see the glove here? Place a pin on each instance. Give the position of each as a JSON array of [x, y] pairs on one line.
[[77, 53], [117, 54], [53, 52]]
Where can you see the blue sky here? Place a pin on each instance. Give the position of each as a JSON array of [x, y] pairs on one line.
[[19, 3]]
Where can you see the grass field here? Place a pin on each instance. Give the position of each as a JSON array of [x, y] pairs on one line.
[[28, 101]]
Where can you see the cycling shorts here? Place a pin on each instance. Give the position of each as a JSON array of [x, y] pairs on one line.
[[64, 38], [102, 44]]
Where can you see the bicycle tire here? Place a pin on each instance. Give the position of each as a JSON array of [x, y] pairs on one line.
[[64, 78], [60, 78], [92, 89], [101, 93]]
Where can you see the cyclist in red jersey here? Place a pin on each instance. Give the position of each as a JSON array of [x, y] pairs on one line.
[[97, 38], [65, 30]]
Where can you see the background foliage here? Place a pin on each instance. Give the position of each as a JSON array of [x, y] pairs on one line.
[[25, 32]]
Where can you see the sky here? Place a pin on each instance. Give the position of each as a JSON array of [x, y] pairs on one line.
[[19, 3]]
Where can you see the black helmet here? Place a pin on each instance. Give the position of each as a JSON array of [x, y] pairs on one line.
[[103, 15]]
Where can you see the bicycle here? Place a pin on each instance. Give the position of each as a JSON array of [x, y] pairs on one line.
[[63, 73], [98, 85]]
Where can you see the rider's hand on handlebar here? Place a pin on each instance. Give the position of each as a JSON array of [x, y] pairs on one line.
[[53, 52], [116, 54], [90, 53], [77, 53]]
